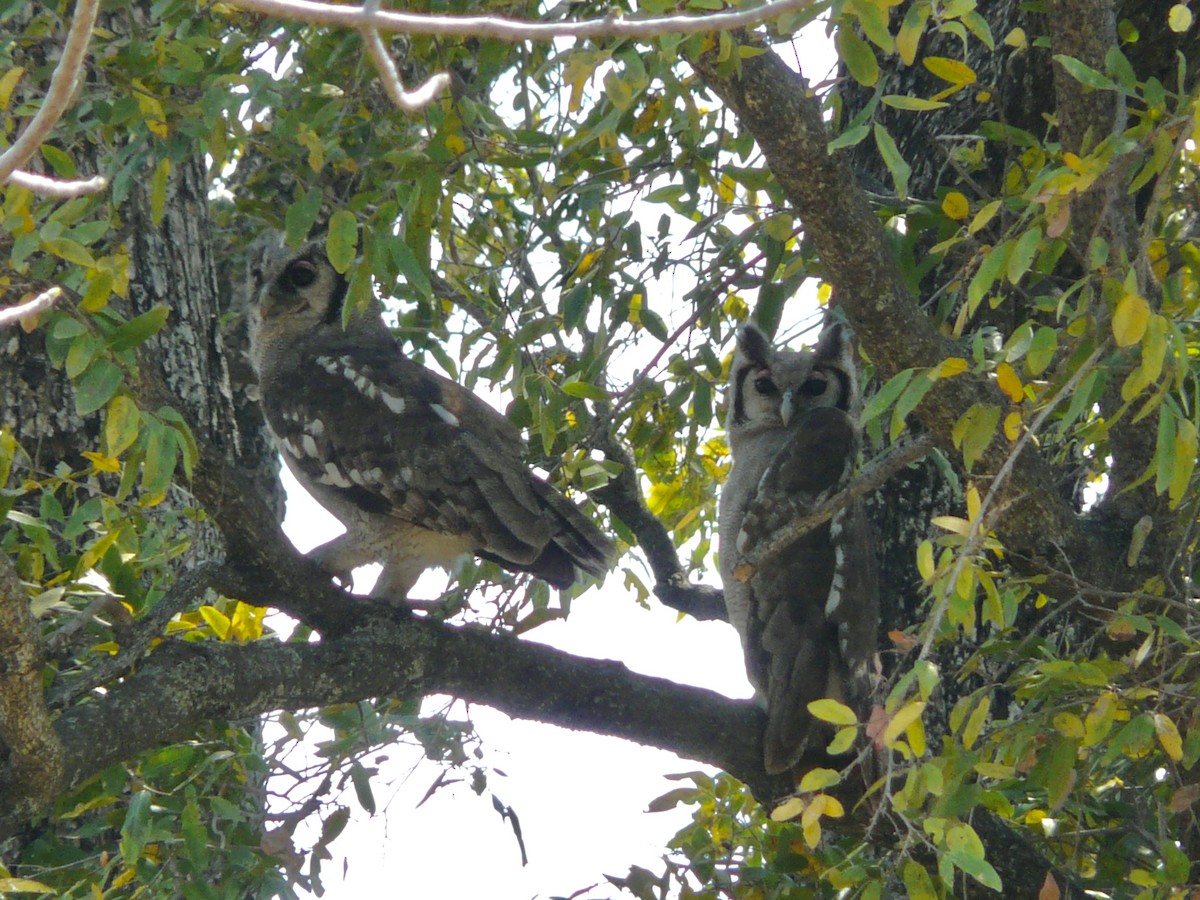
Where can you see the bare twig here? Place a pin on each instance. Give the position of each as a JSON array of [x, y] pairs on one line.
[[59, 94], [872, 477], [409, 101], [516, 30], [53, 187], [13, 315]]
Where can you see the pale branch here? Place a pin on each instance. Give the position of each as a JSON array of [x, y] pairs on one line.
[[623, 497], [58, 96], [13, 315], [776, 106], [516, 30], [872, 477], [35, 755], [408, 101], [57, 188]]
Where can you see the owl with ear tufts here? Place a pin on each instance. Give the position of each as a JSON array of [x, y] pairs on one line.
[[807, 616], [418, 469]]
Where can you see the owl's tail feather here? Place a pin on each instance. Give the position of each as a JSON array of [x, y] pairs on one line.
[[575, 543]]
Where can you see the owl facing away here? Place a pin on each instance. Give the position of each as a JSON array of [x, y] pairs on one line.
[[418, 469], [807, 617]]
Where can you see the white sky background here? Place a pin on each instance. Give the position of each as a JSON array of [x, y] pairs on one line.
[[581, 798]]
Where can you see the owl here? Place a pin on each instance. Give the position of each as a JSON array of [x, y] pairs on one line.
[[807, 617], [418, 469]]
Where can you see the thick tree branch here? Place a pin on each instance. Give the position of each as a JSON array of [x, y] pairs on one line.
[[35, 756], [775, 106], [623, 497]]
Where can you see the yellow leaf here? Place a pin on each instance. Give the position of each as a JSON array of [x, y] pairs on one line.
[[812, 834], [1168, 736], [455, 144], [824, 292], [1012, 425], [1185, 461], [954, 365], [101, 462], [1179, 18], [901, 720], [1069, 725], [956, 206], [1008, 382], [7, 83], [1016, 38], [818, 779], [951, 70], [831, 711], [1130, 319], [916, 737], [158, 190], [984, 216], [788, 809], [925, 560], [976, 721], [216, 620], [955, 524], [974, 504]]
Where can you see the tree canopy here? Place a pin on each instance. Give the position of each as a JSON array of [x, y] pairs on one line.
[[572, 207]]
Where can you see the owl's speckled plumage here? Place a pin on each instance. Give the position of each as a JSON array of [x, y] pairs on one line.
[[807, 618], [418, 469]]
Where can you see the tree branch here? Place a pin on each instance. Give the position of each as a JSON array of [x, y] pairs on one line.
[[22, 312], [623, 497], [58, 96], [775, 105], [516, 30]]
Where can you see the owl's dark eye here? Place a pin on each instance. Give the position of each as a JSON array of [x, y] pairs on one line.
[[765, 385], [300, 274], [815, 386]]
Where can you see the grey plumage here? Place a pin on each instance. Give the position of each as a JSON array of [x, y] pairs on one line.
[[418, 469], [807, 618]]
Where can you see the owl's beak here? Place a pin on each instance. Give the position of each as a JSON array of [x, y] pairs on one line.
[[787, 406]]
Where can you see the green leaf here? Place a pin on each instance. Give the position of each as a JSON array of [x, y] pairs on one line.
[[909, 400], [974, 430], [857, 55], [158, 191], [917, 881], [886, 395], [914, 104], [159, 464], [1041, 350], [361, 779], [341, 243], [195, 836], [96, 386], [584, 390], [831, 711], [849, 138], [139, 329], [300, 217], [1085, 74], [121, 425], [1023, 252], [895, 162], [136, 827], [71, 251]]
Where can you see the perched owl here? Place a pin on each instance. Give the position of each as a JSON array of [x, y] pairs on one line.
[[418, 469], [807, 617]]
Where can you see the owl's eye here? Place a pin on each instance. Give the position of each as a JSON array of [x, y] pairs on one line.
[[300, 274], [815, 386], [765, 385]]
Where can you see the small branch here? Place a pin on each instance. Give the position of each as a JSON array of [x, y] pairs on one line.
[[147, 629], [872, 477], [409, 101], [53, 187], [58, 96], [516, 30], [13, 315], [624, 498], [36, 756]]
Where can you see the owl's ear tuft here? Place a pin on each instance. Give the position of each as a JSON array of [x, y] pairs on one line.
[[754, 344], [833, 342]]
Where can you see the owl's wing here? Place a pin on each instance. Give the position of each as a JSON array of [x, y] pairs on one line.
[[395, 439], [806, 605]]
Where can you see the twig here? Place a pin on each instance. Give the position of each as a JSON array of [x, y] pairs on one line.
[[59, 94], [12, 315], [872, 477], [53, 187], [409, 101], [515, 30]]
